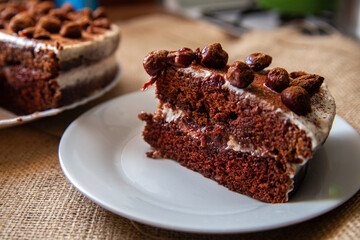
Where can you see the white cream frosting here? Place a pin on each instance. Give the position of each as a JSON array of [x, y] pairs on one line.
[[88, 49], [78, 74], [197, 73]]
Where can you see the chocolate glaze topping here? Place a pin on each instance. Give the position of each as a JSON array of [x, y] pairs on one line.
[[273, 86]]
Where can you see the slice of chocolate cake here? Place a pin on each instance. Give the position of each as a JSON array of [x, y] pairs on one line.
[[53, 57], [249, 129]]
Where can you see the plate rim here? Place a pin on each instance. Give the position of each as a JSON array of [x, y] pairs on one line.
[[21, 119], [128, 215]]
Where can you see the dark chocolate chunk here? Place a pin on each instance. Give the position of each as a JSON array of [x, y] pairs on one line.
[[155, 62], [71, 30], [258, 61], [310, 82], [214, 56], [277, 79], [297, 99], [240, 75]]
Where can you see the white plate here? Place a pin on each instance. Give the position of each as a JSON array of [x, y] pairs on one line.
[[102, 153], [8, 118]]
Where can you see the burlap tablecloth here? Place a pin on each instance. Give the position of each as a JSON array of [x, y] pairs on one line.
[[37, 201]]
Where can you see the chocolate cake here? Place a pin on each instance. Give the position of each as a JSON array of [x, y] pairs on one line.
[[50, 57], [250, 129]]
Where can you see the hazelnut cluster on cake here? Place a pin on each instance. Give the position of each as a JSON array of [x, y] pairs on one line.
[[250, 129], [50, 57]]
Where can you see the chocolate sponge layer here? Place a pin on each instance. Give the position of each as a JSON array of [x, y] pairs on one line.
[[263, 178]]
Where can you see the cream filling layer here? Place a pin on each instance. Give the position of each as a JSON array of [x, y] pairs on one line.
[[86, 72]]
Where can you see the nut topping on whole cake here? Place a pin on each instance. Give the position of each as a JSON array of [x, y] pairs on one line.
[[53, 57], [71, 30], [47, 20], [50, 23], [20, 21]]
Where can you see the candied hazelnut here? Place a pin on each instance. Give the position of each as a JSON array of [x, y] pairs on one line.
[[99, 13], [181, 58], [50, 23], [21, 21], [71, 30], [44, 7], [297, 74], [59, 13], [240, 75], [41, 33], [258, 61], [214, 56], [155, 62], [84, 22], [8, 13], [86, 12], [277, 79], [30, 3], [102, 23], [67, 7], [74, 16], [310, 82], [297, 99]]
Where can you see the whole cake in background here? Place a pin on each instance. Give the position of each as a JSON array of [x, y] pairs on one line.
[[51, 57], [249, 129]]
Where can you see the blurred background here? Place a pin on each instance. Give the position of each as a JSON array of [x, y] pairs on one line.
[[314, 17]]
